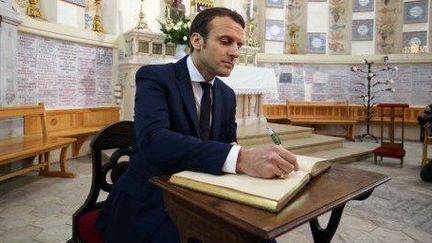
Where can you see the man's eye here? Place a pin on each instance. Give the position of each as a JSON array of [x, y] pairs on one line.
[[225, 41]]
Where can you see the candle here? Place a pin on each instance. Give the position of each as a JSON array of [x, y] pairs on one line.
[[251, 9]]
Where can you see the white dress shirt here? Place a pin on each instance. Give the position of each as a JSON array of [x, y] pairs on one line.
[[196, 77]]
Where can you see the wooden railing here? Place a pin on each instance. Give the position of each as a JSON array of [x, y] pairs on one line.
[[279, 111]]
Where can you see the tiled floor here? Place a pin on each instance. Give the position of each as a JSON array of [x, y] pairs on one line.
[[37, 209]]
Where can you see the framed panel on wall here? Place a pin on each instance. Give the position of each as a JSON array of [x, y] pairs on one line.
[[285, 78], [415, 37], [416, 12], [362, 30], [317, 42], [275, 30], [76, 2], [363, 5], [274, 3]]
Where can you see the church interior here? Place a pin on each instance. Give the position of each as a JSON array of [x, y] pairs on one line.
[[346, 81]]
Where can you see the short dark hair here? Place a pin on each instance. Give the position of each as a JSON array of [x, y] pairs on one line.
[[201, 23]]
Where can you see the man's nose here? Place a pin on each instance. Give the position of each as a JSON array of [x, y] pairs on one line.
[[234, 50]]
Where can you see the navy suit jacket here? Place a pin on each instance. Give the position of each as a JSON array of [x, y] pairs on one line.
[[167, 141]]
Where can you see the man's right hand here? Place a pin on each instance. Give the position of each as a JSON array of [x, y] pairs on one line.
[[270, 162]]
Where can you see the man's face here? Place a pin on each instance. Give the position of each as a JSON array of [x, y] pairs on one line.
[[216, 55]]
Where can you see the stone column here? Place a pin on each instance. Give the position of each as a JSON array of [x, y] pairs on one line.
[[9, 21]]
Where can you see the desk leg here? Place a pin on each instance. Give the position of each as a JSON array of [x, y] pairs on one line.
[[194, 223], [321, 235]]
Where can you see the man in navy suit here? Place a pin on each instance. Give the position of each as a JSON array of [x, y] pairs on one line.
[[185, 120]]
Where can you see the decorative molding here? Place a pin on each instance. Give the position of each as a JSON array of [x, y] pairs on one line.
[[9, 16], [63, 32], [342, 59]]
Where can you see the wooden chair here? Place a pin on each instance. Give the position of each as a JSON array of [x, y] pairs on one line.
[[391, 113], [119, 136], [427, 139]]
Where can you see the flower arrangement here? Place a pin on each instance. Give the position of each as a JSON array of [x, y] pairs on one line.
[[177, 33]]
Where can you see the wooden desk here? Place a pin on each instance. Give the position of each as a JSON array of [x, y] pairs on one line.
[[212, 219]]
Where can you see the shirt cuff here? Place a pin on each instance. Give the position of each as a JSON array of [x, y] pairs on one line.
[[231, 160]]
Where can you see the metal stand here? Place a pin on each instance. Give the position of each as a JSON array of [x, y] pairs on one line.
[[368, 106]]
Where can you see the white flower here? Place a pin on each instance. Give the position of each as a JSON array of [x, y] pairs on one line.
[[176, 27], [185, 38]]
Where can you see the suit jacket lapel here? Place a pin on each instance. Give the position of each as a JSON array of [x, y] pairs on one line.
[[185, 87], [217, 110]]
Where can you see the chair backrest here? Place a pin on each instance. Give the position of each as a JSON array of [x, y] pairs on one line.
[[118, 136], [391, 113]]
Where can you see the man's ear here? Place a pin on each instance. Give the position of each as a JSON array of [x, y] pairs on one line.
[[196, 41]]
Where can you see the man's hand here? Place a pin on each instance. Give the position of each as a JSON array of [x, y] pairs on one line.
[[270, 162]]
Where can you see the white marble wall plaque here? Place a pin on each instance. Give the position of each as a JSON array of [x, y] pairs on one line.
[[62, 73]]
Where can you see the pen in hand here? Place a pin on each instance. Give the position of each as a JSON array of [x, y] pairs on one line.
[[274, 136], [277, 141]]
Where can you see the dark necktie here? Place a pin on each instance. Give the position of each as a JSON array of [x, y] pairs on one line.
[[204, 126]]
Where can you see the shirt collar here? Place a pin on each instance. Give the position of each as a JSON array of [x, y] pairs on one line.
[[194, 74]]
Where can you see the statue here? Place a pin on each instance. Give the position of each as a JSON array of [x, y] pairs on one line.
[[33, 9], [177, 10]]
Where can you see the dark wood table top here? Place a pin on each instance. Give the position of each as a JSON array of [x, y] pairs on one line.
[[325, 192]]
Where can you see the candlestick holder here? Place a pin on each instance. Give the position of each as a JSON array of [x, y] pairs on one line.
[[142, 24], [250, 33], [373, 89], [97, 20]]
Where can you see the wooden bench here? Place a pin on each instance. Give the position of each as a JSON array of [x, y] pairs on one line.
[[321, 113], [78, 123], [28, 147]]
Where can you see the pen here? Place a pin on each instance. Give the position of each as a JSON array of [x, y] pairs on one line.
[[277, 141], [274, 136]]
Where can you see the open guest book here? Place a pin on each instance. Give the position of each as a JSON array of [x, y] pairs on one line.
[[268, 194]]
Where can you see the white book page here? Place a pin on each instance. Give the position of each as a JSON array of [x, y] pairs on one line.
[[306, 162], [274, 189]]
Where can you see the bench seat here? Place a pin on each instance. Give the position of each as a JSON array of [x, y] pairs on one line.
[[321, 113], [319, 122], [27, 147], [78, 123]]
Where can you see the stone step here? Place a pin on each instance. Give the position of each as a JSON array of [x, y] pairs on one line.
[[301, 140], [346, 154], [257, 133], [304, 145]]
